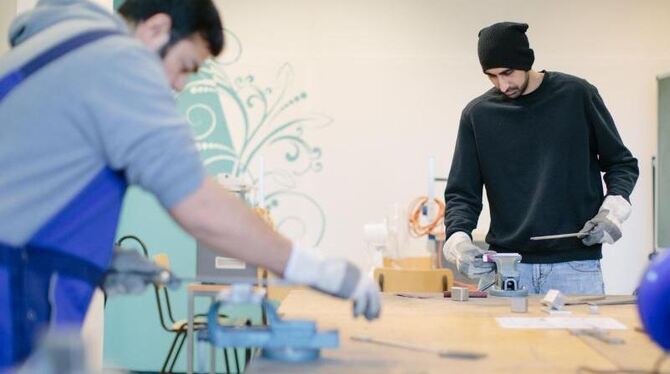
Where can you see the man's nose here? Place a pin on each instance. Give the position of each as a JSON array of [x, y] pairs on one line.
[[179, 83], [504, 85]]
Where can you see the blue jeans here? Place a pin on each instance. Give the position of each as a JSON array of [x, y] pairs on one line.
[[571, 278]]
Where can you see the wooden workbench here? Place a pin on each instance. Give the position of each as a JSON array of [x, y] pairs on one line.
[[463, 326]]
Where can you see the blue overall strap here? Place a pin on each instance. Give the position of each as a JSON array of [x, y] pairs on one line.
[[49, 281], [15, 77], [34, 275], [29, 273]]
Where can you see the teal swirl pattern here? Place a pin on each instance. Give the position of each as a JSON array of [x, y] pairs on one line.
[[236, 120]]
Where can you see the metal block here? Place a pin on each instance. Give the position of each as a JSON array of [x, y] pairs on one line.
[[554, 300], [519, 305], [460, 294]]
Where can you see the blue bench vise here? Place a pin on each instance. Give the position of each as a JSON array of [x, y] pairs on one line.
[[283, 340]]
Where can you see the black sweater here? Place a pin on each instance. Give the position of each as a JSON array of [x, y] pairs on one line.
[[540, 157]]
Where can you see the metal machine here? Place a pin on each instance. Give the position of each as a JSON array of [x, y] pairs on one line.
[[293, 341], [211, 264], [506, 282]]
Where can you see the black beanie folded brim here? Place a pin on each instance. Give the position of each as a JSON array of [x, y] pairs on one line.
[[505, 45]]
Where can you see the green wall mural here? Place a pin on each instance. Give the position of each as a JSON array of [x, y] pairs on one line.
[[235, 121]]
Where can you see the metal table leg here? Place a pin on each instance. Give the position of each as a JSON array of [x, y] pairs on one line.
[[212, 354], [189, 334]]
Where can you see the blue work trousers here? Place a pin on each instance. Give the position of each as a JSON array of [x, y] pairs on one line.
[[572, 277]]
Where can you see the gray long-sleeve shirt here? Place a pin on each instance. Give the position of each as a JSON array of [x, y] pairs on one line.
[[107, 104]]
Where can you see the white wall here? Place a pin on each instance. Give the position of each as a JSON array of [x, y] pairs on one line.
[[395, 74]]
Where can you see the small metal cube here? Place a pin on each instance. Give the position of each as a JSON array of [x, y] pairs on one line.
[[520, 305], [460, 294]]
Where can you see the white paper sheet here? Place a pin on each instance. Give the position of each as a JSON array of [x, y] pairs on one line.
[[604, 323]]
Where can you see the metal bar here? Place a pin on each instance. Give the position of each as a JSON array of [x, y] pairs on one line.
[[560, 236], [624, 300], [189, 333], [442, 353], [212, 353]]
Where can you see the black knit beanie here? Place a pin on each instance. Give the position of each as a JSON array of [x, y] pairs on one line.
[[505, 45]]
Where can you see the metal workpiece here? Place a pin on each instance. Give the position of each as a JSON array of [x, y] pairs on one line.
[[460, 294], [519, 304], [462, 355], [560, 236], [554, 300], [599, 334], [507, 276]]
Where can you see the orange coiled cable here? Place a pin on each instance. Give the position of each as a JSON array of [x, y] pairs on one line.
[[434, 227]]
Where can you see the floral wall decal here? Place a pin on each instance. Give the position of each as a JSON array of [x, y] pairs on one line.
[[236, 120]]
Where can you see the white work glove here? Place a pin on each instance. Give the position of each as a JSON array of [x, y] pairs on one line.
[[460, 250], [605, 227], [130, 273], [335, 277]]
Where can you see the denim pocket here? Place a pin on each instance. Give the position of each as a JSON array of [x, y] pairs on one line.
[[586, 266]]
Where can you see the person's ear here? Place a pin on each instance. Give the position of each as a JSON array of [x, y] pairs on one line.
[[154, 32]]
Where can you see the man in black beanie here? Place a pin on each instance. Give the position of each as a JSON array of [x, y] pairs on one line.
[[538, 141]]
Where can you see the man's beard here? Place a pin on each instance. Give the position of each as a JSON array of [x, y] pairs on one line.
[[516, 92]]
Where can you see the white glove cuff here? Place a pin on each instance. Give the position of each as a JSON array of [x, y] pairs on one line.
[[303, 266], [619, 209], [336, 277], [449, 249]]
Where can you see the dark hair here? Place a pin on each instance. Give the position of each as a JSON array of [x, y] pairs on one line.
[[189, 17]]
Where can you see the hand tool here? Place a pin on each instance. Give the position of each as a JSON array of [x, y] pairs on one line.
[[577, 300], [621, 300], [599, 334], [417, 296], [560, 236], [473, 294], [462, 355]]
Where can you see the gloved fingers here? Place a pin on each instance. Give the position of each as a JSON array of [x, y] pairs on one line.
[[612, 230], [607, 238], [486, 280], [603, 232], [359, 307], [595, 236], [602, 215], [374, 303], [369, 305], [611, 233], [131, 260], [474, 270], [450, 256], [173, 283], [135, 285], [367, 301], [113, 286], [588, 227], [122, 284]]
